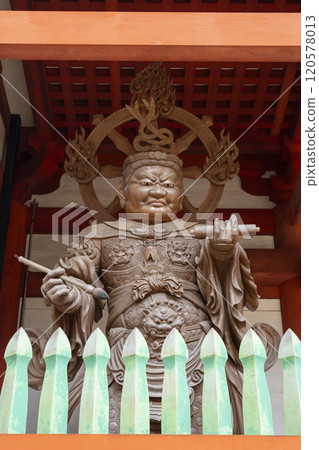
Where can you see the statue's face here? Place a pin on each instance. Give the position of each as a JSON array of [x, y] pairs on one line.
[[153, 189]]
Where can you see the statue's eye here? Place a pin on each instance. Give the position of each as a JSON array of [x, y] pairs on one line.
[[157, 321], [146, 183], [168, 185], [170, 321]]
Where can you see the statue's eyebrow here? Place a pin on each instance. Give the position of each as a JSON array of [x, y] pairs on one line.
[[142, 175], [169, 175]]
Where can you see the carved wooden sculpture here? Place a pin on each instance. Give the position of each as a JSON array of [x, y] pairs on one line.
[[157, 278]]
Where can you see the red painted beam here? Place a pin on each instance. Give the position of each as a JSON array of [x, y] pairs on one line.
[[138, 36], [169, 442]]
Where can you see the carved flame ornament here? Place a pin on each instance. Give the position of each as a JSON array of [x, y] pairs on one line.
[[222, 164], [153, 83], [153, 98], [82, 164]]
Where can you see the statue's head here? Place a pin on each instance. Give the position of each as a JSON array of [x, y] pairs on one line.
[[152, 183]]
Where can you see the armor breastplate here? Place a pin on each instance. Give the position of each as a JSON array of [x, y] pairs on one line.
[[161, 274], [127, 260]]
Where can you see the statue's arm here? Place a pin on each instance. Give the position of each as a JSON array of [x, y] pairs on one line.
[[73, 309], [225, 281], [82, 263], [231, 262]]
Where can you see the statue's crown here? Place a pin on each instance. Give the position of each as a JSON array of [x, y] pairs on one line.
[[153, 95], [150, 158]]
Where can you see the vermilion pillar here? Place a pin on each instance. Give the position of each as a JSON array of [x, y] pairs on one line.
[[290, 302], [288, 237], [12, 279]]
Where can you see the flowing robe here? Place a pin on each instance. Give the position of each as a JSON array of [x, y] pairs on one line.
[[156, 280]]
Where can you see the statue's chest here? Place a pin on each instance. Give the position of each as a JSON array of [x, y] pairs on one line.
[[127, 260]]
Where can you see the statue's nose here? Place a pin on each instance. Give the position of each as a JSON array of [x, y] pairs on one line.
[[157, 190]]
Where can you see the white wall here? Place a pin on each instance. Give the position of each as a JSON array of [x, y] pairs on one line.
[[16, 90]]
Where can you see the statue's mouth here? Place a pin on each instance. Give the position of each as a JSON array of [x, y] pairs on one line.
[[156, 203]]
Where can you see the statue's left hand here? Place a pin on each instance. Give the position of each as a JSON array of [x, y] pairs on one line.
[[225, 234]]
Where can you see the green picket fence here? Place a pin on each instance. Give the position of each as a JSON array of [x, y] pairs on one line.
[[94, 407]]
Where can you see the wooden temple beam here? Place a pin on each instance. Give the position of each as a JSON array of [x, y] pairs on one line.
[[145, 442], [143, 36]]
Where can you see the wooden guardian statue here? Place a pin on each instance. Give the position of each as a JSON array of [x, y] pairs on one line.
[[160, 273]]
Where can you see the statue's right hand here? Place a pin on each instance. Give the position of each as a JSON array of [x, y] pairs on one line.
[[54, 290]]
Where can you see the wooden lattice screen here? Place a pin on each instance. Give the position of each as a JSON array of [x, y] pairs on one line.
[[234, 94]]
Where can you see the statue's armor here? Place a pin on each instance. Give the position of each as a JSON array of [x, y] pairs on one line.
[[156, 279]]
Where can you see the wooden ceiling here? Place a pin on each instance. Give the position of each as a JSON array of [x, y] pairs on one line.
[[239, 96], [234, 94]]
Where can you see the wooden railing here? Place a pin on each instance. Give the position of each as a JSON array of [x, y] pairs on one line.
[[94, 406], [134, 420]]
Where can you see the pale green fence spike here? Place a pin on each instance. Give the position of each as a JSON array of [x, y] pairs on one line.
[[174, 345], [175, 396], [14, 394], [135, 416], [290, 358], [135, 345], [53, 408], [216, 403], [256, 400], [94, 408]]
